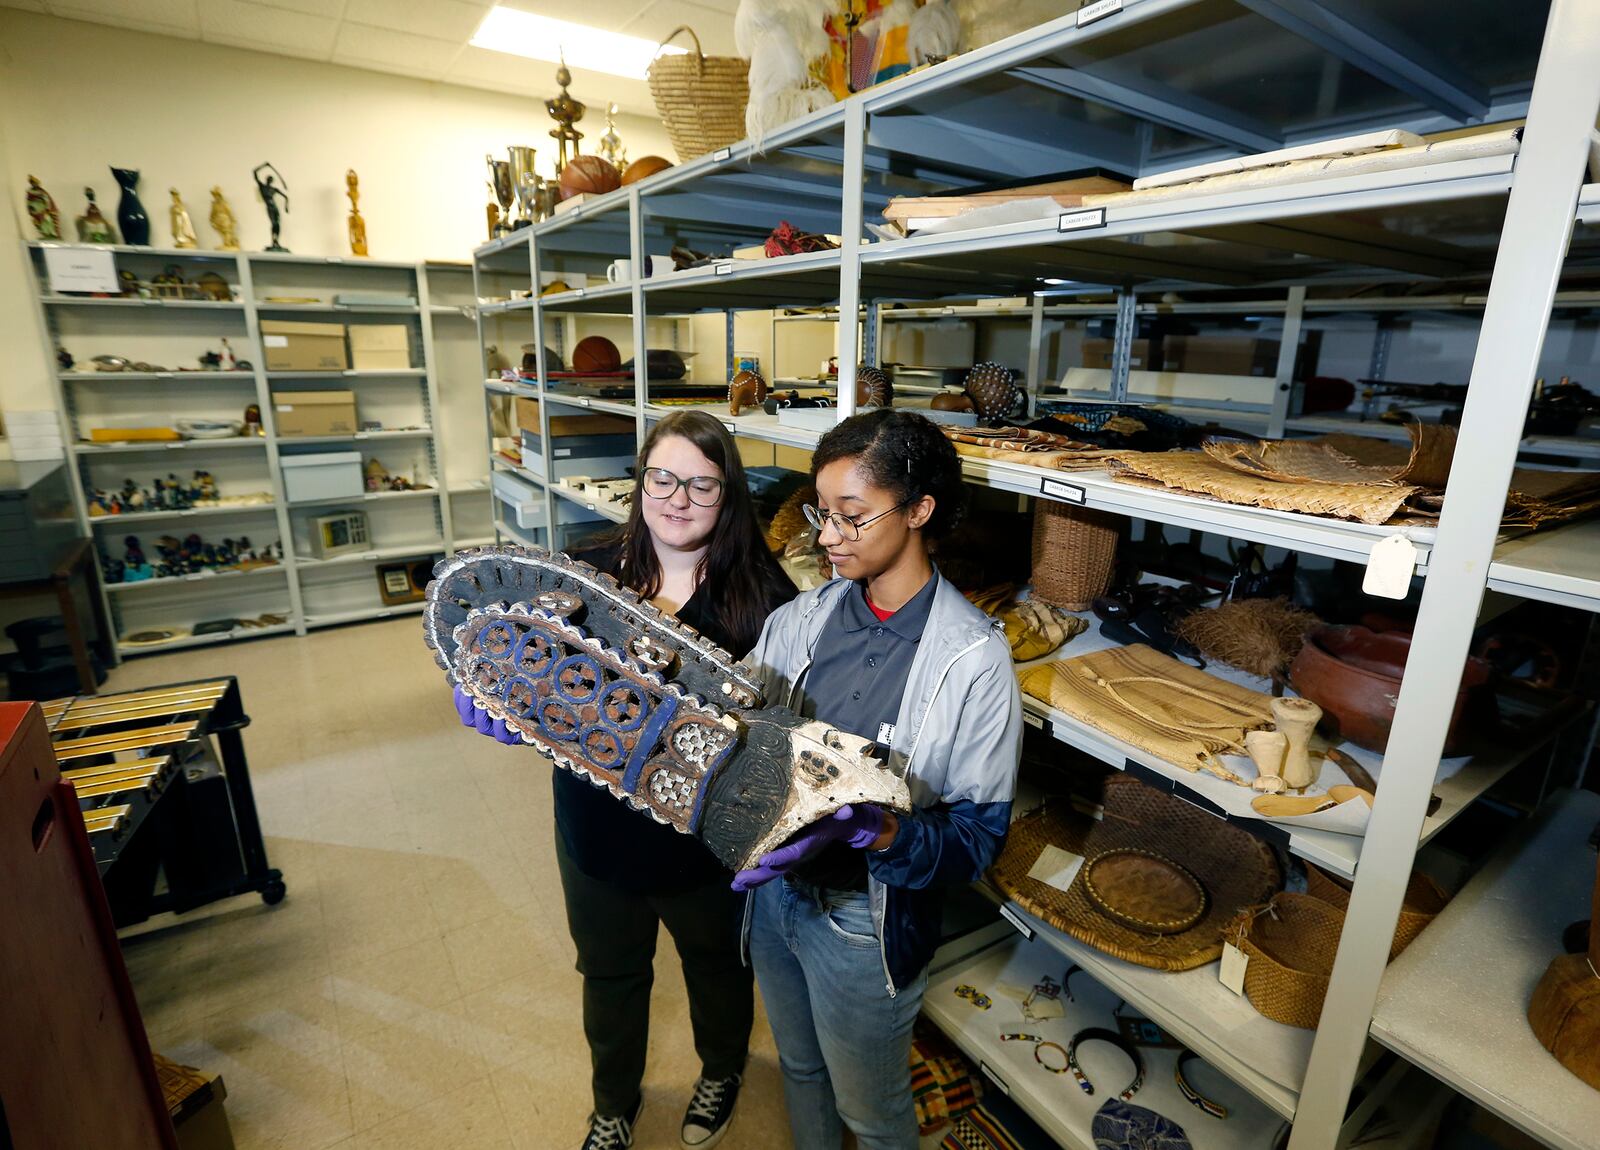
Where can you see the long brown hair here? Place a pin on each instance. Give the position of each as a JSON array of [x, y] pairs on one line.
[[737, 570]]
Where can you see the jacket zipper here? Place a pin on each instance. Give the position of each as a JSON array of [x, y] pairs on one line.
[[879, 905]]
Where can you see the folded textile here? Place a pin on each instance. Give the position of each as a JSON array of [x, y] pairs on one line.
[[1034, 629], [979, 1130], [943, 1087], [1175, 712], [1020, 445], [1200, 474]]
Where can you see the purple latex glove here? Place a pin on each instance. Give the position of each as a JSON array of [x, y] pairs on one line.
[[483, 722], [857, 827]]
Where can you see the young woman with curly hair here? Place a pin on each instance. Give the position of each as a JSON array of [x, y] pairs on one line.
[[842, 921]]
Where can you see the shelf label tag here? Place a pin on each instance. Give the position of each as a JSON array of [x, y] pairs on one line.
[[727, 153], [1234, 963], [1023, 928], [733, 428], [72, 270], [1389, 568], [582, 292], [1084, 220], [1033, 720], [1000, 1083], [1065, 492], [725, 268], [1099, 10]]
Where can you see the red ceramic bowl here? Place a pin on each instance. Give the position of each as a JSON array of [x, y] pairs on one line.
[[1353, 674]]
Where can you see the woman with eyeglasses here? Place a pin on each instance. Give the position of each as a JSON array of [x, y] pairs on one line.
[[692, 547], [843, 919]]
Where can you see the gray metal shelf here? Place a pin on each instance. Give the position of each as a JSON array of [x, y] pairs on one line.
[[1456, 1002]]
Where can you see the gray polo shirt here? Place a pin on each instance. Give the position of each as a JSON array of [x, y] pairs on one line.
[[855, 683]]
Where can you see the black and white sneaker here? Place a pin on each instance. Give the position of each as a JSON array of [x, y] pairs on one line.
[[612, 1133], [710, 1112]]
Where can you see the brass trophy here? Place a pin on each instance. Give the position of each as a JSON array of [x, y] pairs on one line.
[[610, 146], [500, 185], [525, 183], [565, 111]]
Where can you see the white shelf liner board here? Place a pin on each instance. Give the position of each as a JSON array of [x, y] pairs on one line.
[[1455, 1003], [1006, 973], [1322, 149]]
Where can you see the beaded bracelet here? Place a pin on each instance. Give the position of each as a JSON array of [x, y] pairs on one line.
[[1039, 1043], [1095, 1033], [1196, 1099]]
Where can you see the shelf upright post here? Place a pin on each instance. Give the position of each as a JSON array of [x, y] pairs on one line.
[[850, 224], [1288, 351], [1030, 385], [1533, 244], [488, 396], [1122, 344], [729, 356], [269, 428], [541, 382], [871, 334], [431, 405], [641, 333]]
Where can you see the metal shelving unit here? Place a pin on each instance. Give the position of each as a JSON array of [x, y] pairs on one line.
[[252, 276], [1143, 86]]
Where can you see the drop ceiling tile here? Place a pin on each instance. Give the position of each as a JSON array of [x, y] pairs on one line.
[[410, 55], [714, 29], [608, 14], [441, 19], [25, 5], [482, 68], [152, 15], [272, 29]]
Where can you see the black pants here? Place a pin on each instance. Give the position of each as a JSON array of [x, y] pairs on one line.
[[615, 933]]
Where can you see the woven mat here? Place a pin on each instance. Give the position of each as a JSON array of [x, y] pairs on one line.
[[1295, 461], [1237, 869], [1019, 445], [1200, 474], [1180, 714]]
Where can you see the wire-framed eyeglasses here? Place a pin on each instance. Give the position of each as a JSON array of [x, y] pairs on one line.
[[704, 490], [848, 528]]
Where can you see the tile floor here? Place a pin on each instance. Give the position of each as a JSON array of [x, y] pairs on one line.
[[416, 988]]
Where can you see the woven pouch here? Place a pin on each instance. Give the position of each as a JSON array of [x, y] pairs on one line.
[[1290, 942]]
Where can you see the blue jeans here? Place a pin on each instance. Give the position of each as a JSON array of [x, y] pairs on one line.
[[844, 1044]]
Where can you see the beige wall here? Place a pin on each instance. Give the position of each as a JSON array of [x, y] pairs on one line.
[[77, 97]]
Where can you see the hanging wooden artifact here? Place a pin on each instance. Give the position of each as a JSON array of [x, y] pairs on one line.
[[874, 386], [634, 701], [992, 388], [746, 389], [1565, 1009]]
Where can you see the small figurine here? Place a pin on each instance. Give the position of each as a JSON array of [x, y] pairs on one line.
[[135, 566], [64, 358], [207, 485], [271, 193], [130, 212], [358, 226], [131, 287], [94, 228], [182, 226], [211, 361], [376, 474], [229, 363], [170, 283], [223, 223], [252, 420], [42, 211]]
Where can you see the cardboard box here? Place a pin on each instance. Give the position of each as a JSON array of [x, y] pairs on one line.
[[1097, 353], [295, 345], [794, 458], [595, 423], [1220, 354], [380, 347], [323, 475], [314, 413]]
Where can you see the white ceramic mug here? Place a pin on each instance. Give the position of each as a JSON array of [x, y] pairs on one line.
[[660, 265], [620, 271]]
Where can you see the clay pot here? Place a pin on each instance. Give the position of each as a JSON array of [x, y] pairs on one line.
[[874, 386], [643, 167], [1354, 675], [949, 401]]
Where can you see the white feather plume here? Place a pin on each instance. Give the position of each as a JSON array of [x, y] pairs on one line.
[[781, 39], [935, 31]]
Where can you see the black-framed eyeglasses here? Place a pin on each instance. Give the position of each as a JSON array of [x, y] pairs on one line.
[[704, 490], [847, 527]]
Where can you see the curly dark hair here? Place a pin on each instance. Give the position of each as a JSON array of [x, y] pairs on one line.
[[903, 453]]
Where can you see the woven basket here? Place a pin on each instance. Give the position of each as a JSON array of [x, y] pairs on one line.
[[1073, 552], [700, 98], [1290, 943], [1423, 901], [1237, 870]]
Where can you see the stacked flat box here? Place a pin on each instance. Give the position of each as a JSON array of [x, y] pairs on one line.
[[34, 436], [597, 455]]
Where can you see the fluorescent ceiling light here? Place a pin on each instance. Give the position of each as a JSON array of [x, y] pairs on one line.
[[542, 38]]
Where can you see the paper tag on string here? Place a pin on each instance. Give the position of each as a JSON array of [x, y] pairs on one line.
[[1234, 963], [1389, 568]]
